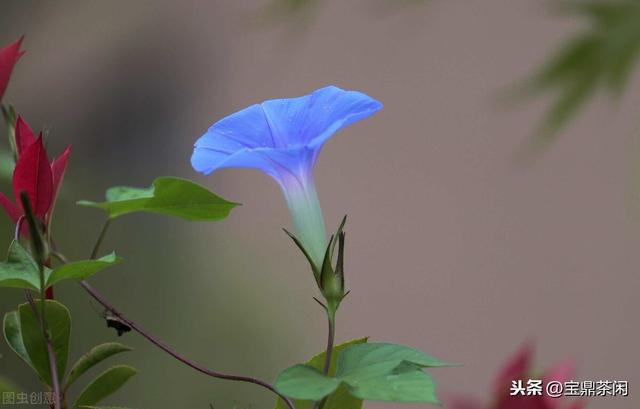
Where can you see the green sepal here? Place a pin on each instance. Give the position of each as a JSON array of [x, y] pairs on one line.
[[314, 268]]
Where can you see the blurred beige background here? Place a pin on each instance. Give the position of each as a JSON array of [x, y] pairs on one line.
[[452, 247]]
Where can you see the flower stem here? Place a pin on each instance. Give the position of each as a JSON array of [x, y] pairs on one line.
[[164, 347], [331, 320]]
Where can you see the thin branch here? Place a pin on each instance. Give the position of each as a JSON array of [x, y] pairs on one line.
[[164, 347], [161, 345]]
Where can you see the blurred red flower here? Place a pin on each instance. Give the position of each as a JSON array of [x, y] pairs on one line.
[[519, 368]]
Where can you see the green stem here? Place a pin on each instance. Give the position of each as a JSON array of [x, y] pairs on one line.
[[331, 320], [103, 233]]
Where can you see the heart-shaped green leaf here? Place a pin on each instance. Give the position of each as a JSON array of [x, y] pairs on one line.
[[376, 371], [168, 196], [406, 383], [341, 398], [380, 358]]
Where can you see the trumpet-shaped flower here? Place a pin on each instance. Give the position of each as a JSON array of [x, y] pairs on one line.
[[282, 138]]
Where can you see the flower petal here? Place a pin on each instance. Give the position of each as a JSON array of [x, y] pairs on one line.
[[517, 367], [9, 55], [562, 372], [314, 118], [32, 174], [24, 135], [270, 136]]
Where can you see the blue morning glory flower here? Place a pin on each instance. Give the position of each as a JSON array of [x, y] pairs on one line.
[[282, 138]]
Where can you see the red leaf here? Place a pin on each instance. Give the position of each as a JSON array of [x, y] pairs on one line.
[[32, 174], [58, 167], [24, 135], [12, 210], [9, 55]]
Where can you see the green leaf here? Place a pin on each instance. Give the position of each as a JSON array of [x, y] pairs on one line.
[[380, 358], [168, 196], [341, 398], [79, 270], [376, 371], [93, 357], [406, 383], [13, 335], [600, 57], [20, 270], [104, 385], [305, 382], [59, 324]]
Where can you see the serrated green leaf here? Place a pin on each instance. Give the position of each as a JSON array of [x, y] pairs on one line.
[[13, 335], [95, 356], [305, 382], [341, 398], [59, 325], [104, 385], [168, 196], [80, 270], [20, 270]]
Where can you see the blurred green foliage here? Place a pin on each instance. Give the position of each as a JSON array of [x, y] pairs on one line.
[[601, 56], [6, 164], [6, 385]]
